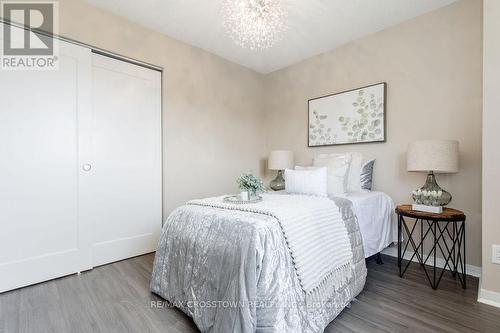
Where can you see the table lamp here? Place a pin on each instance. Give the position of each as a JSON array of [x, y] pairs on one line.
[[434, 156], [280, 160]]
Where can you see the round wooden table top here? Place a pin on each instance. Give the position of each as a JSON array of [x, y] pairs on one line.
[[448, 214]]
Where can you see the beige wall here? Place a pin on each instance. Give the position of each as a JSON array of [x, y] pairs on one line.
[[212, 108], [491, 138], [220, 118], [433, 68]]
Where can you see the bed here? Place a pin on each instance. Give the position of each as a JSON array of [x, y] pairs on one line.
[[375, 213], [232, 271]]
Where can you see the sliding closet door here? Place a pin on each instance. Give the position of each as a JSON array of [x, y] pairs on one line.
[[123, 191], [41, 234]]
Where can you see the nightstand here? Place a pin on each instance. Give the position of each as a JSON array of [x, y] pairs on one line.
[[447, 232]]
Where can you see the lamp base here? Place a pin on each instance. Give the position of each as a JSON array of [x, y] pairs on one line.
[[278, 183], [432, 185], [428, 209]]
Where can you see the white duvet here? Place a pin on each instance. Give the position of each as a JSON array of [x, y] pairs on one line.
[[376, 219]]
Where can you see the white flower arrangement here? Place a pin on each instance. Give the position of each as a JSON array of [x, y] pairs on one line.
[[429, 198]]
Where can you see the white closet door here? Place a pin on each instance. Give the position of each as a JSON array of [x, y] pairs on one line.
[[41, 234], [122, 193]]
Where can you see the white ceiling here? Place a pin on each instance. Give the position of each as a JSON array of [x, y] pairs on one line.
[[314, 26]]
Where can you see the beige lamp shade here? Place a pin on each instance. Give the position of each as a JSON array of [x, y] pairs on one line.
[[280, 160], [440, 156]]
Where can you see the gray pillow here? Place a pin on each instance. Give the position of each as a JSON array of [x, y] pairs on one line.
[[367, 174]]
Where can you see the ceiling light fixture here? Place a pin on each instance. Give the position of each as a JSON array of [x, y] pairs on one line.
[[254, 24]]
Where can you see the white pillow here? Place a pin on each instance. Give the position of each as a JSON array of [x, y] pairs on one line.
[[297, 167], [307, 181], [354, 173], [338, 168]]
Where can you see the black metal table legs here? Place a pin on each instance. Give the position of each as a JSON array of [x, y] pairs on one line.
[[447, 236]]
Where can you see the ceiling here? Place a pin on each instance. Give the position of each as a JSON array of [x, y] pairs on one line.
[[314, 26]]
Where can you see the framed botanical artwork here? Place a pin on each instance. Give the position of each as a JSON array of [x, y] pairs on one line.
[[353, 116]]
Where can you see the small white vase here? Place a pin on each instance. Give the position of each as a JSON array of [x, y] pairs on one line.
[[244, 196]]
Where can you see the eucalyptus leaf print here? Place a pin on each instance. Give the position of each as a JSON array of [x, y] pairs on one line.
[[366, 124], [319, 133], [349, 117]]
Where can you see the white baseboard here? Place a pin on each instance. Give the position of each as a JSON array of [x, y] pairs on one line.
[[488, 297], [118, 249], [21, 273], [393, 252]]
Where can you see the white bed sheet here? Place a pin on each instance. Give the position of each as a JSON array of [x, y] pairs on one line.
[[376, 219]]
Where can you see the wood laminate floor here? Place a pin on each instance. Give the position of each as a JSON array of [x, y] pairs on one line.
[[116, 298]]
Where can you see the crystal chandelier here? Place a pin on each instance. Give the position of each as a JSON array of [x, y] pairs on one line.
[[254, 24]]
